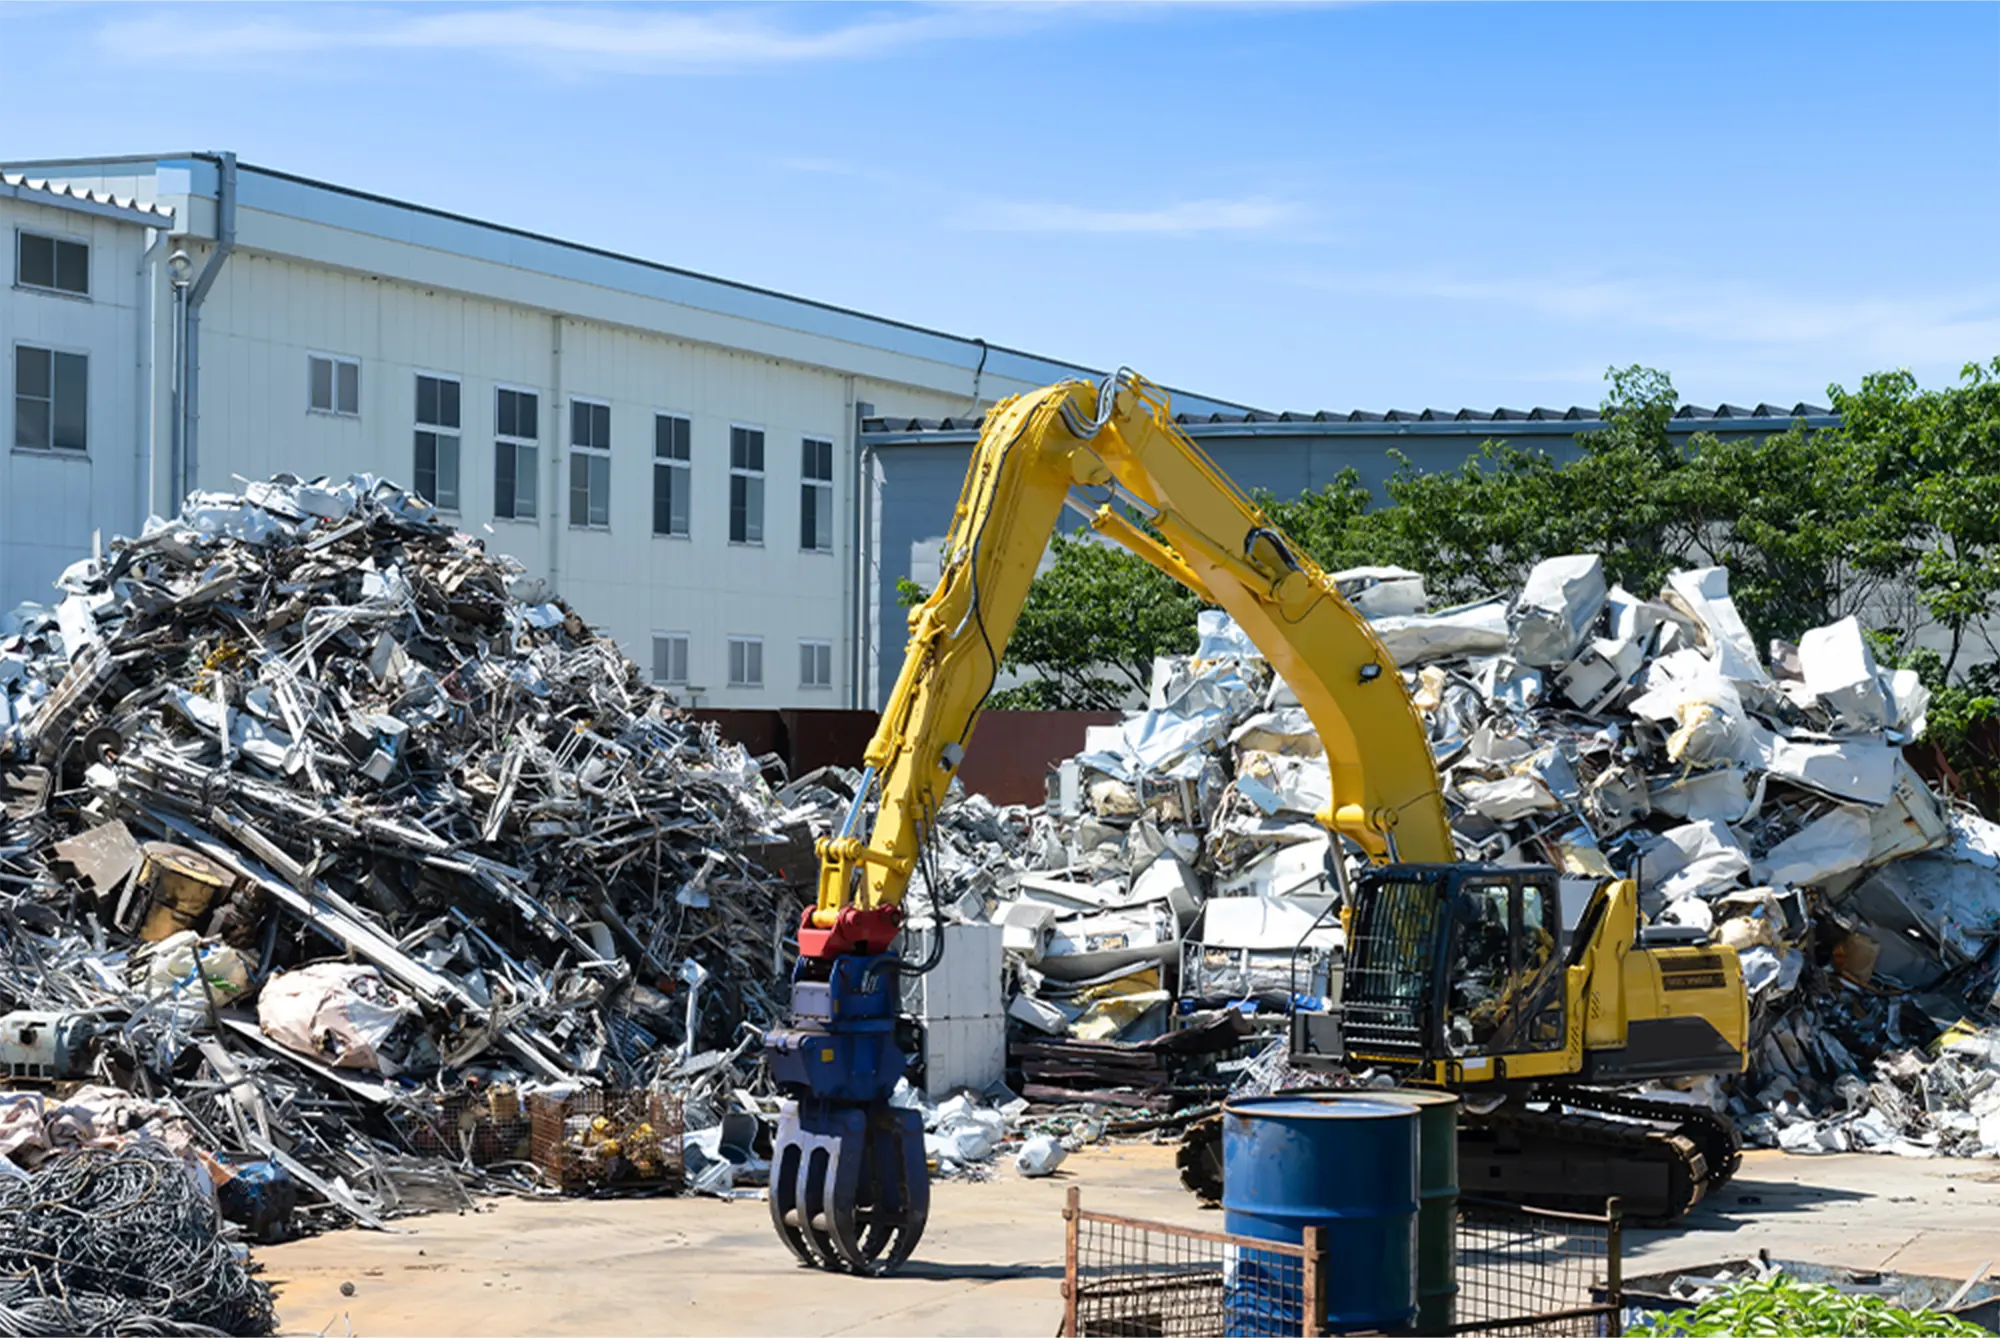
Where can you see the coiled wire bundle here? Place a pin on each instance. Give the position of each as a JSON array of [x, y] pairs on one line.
[[121, 1241]]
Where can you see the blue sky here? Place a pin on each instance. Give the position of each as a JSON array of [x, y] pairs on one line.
[[1372, 206]]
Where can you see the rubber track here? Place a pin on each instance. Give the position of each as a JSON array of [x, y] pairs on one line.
[[1690, 1142], [1581, 1130], [1714, 1134]]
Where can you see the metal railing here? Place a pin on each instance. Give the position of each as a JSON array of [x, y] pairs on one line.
[[1519, 1270], [1541, 1272], [1125, 1278]]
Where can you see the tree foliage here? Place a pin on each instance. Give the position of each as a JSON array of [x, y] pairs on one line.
[[1790, 514], [1941, 451], [1094, 620], [1093, 623]]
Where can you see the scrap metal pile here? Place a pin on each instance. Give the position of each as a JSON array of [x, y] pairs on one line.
[[122, 1239], [1765, 802], [340, 836]]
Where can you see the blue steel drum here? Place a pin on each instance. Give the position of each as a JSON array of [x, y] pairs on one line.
[[1345, 1164]]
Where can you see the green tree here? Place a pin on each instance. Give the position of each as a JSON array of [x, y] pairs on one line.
[[1325, 525], [1794, 515], [1478, 529], [1092, 625], [1939, 452]]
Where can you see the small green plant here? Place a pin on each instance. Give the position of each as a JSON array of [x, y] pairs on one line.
[[1779, 1305]]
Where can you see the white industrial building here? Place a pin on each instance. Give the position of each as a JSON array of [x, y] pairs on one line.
[[74, 335], [677, 453]]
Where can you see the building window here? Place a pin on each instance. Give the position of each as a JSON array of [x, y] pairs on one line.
[[746, 662], [589, 465], [673, 474], [437, 441], [334, 385], [51, 399], [670, 659], [746, 485], [517, 435], [51, 263], [816, 495], [815, 664]]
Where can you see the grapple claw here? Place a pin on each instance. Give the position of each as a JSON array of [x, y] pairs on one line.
[[849, 1189]]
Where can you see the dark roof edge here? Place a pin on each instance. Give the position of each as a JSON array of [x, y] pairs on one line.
[[659, 266], [918, 431], [116, 158]]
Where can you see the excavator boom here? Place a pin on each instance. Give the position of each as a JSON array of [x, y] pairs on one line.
[[848, 1189]]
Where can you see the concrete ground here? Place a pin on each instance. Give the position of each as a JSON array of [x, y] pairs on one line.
[[991, 1260]]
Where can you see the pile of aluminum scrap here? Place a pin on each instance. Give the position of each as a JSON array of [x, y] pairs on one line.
[[1766, 802], [314, 815]]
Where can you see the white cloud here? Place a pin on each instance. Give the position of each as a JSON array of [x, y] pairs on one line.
[[1187, 217], [1907, 329], [618, 37]]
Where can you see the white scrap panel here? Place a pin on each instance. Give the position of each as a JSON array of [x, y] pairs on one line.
[[964, 1052], [966, 981]]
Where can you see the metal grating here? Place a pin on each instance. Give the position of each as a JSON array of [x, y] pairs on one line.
[[1518, 1271], [1525, 1270], [1386, 1004], [597, 1139], [1124, 1278]]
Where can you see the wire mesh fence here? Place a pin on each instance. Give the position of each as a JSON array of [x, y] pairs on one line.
[[595, 1138], [1519, 1270], [1527, 1270], [1126, 1278]]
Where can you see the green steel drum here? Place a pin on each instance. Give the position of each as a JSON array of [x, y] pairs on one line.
[[1437, 1212]]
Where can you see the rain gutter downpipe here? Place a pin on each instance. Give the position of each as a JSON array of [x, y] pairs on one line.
[[225, 243]]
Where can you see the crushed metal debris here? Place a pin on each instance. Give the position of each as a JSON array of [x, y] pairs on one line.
[[1178, 871], [354, 850]]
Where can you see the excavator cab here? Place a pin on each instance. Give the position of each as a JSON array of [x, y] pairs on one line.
[[1458, 965]]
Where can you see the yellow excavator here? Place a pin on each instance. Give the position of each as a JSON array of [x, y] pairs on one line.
[[1453, 975]]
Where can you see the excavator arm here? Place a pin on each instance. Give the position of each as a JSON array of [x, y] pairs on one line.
[[1114, 453], [848, 1186]]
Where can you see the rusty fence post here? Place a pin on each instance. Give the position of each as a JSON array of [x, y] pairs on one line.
[[1614, 1265], [1072, 1212], [1312, 1320]]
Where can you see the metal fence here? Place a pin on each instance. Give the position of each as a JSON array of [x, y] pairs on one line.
[[1525, 1269], [1124, 1278], [1519, 1270]]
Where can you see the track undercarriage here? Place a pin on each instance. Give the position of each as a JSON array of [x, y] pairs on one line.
[[1569, 1149]]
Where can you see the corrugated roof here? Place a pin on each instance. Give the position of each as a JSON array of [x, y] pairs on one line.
[[1720, 414], [345, 207], [99, 203]]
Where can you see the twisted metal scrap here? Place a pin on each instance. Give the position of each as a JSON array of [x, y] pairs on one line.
[[121, 1241]]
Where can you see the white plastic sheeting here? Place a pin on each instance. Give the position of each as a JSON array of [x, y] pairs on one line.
[[337, 1013]]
